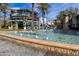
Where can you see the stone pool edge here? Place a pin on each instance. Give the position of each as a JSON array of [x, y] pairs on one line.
[[53, 46]]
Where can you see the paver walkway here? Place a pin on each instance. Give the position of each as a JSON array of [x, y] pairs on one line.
[[8, 48]]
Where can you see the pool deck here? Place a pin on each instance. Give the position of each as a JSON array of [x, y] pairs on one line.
[[46, 45], [8, 48]]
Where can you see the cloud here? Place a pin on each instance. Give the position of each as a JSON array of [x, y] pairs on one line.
[[15, 8]]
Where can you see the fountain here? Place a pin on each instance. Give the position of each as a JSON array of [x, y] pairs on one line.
[[36, 36], [46, 38], [20, 34], [15, 32]]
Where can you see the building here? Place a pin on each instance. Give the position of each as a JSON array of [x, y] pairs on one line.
[[71, 23], [22, 18], [42, 23], [74, 22]]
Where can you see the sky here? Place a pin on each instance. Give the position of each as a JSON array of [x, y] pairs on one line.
[[54, 9]]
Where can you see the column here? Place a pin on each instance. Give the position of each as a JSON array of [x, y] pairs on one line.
[[16, 25], [24, 24], [65, 26], [38, 24]]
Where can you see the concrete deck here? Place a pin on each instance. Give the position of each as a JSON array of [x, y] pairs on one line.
[[8, 48]]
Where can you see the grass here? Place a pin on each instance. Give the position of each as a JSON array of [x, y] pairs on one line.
[[2, 29], [10, 30]]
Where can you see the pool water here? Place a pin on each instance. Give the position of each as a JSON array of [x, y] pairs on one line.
[[55, 36]]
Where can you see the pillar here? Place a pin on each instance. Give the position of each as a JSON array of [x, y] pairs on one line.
[[65, 26], [16, 25], [24, 24], [39, 24]]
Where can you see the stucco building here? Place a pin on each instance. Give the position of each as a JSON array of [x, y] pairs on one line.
[[22, 18]]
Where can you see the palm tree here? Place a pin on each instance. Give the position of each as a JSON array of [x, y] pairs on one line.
[[3, 8], [33, 15], [70, 12], [43, 8]]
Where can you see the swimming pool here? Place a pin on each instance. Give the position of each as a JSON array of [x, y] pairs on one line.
[[55, 36]]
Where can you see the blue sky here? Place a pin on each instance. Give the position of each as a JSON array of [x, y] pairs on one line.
[[20, 5], [53, 11]]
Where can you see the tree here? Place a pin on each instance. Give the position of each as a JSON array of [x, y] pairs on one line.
[[71, 12], [33, 15], [61, 17], [43, 8], [3, 8]]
